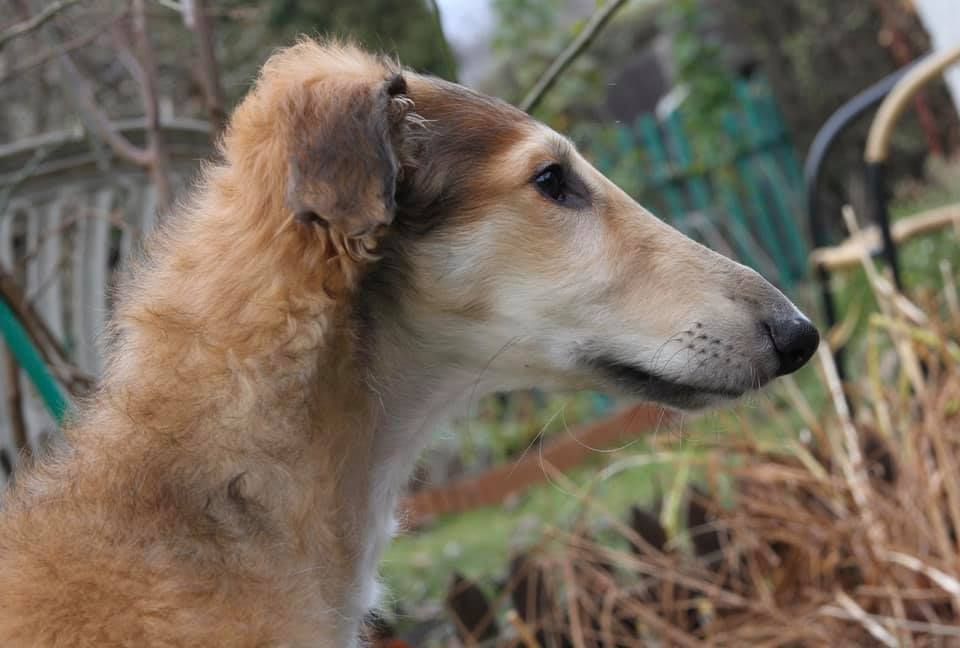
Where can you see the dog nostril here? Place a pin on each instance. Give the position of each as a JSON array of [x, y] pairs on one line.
[[795, 340]]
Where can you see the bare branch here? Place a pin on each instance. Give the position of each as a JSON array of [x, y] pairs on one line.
[[196, 18], [50, 54], [142, 67], [593, 27], [128, 59], [76, 381], [24, 174], [15, 408], [35, 22], [95, 119], [115, 220], [159, 163]]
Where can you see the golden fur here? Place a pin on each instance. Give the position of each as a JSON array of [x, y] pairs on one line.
[[368, 251]]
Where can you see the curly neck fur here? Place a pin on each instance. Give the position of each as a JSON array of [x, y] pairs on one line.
[[257, 419], [307, 429]]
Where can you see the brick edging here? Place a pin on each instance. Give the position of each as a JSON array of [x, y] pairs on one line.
[[563, 453]]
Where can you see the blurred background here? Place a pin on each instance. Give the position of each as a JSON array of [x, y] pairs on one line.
[[824, 511]]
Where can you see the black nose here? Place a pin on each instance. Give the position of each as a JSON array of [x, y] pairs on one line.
[[795, 340]]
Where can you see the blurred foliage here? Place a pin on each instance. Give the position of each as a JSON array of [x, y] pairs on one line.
[[507, 425], [920, 258], [417, 567], [818, 56], [411, 29], [700, 65], [530, 35], [407, 29]]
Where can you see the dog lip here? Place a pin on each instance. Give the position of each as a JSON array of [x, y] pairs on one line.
[[636, 379]]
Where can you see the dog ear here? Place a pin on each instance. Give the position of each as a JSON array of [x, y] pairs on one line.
[[345, 165]]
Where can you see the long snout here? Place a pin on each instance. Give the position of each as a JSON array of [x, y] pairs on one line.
[[724, 329], [695, 328]]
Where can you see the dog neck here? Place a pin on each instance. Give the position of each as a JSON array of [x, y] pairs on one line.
[[417, 389], [301, 427]]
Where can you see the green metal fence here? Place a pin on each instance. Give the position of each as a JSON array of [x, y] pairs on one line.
[[736, 187]]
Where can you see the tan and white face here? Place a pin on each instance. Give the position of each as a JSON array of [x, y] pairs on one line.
[[546, 273], [506, 254]]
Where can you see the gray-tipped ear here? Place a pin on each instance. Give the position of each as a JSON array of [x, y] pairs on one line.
[[344, 165]]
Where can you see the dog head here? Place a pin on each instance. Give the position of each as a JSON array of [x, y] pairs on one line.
[[503, 251]]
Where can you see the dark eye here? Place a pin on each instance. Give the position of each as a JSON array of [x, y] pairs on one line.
[[551, 183]]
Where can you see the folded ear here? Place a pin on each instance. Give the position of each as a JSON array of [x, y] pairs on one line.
[[344, 165]]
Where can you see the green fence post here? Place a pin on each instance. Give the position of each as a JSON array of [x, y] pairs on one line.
[[683, 156], [662, 173], [780, 165], [731, 195], [750, 176], [29, 358], [763, 215]]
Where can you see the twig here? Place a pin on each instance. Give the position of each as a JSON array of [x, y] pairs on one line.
[[892, 303], [800, 404], [660, 625], [670, 517], [153, 158], [111, 217], [809, 461], [196, 18], [661, 569], [34, 22], [159, 163], [883, 288], [880, 405], [596, 23], [39, 155], [15, 406], [950, 290], [937, 629], [923, 336], [95, 119], [50, 54], [523, 630], [851, 461], [576, 629], [944, 580], [76, 381], [876, 630], [904, 637], [841, 333]]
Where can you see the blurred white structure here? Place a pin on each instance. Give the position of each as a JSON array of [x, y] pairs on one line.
[[468, 26], [75, 215], [942, 20]]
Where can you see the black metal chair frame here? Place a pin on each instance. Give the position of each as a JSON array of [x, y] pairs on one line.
[[823, 143]]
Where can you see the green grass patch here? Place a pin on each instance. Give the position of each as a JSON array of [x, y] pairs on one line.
[[478, 544]]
